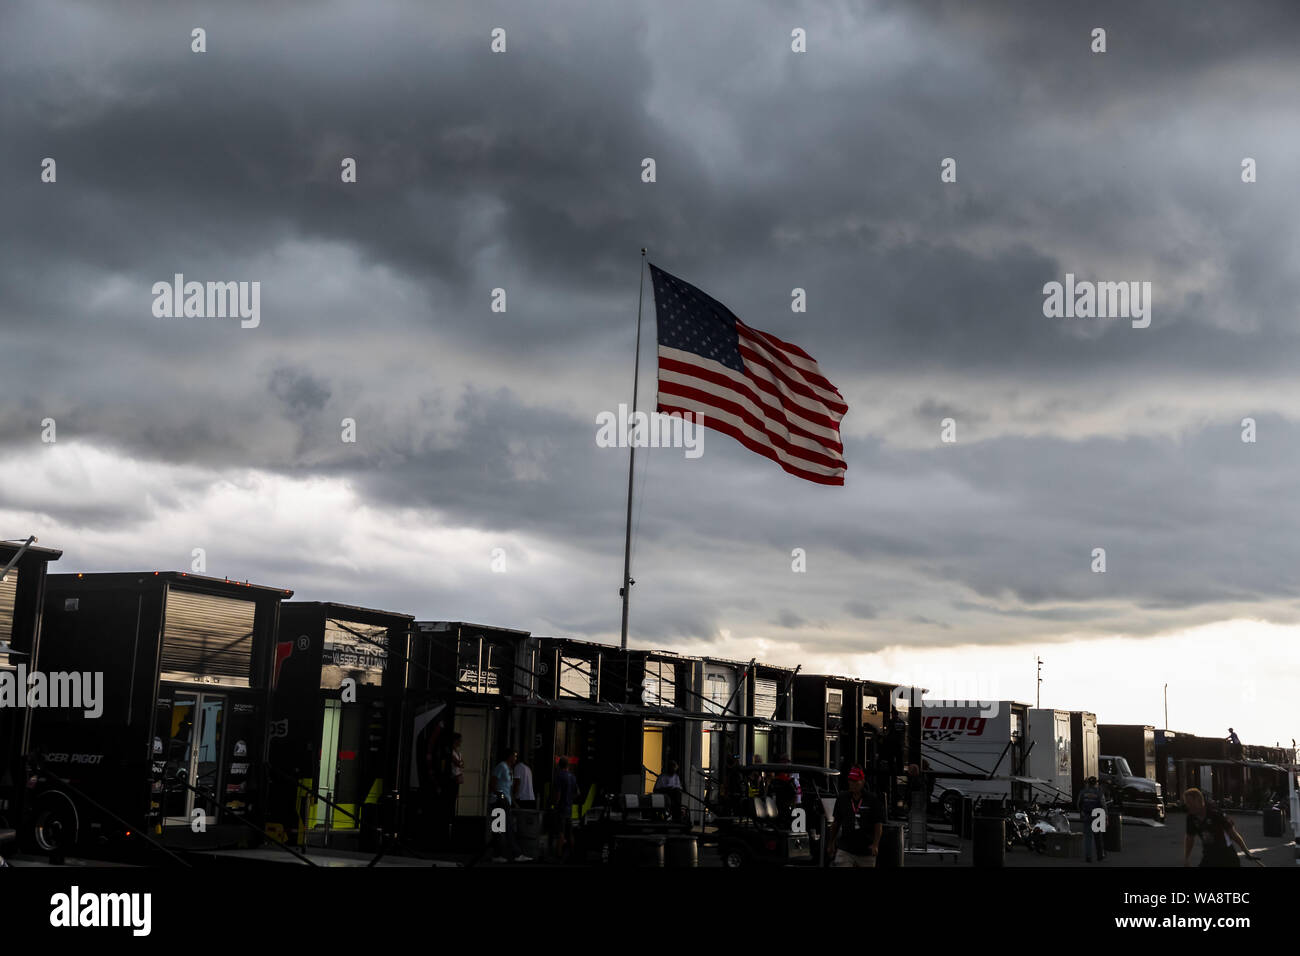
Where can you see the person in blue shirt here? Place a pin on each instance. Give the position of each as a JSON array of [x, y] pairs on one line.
[[503, 799]]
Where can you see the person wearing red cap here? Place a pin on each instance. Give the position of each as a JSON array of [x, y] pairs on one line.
[[859, 822]]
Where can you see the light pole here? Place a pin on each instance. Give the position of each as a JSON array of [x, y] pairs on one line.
[[1166, 706], [1038, 698]]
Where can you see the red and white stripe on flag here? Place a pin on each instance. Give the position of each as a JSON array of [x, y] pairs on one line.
[[780, 406]]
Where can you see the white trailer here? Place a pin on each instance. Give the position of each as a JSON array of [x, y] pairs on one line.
[[1048, 755], [974, 749]]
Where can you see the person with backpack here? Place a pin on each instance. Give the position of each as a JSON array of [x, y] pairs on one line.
[[1091, 799]]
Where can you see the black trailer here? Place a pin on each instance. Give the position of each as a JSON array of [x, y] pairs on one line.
[[1136, 743], [177, 753], [1139, 791], [22, 600], [832, 708], [771, 702], [466, 679], [568, 718], [337, 710], [662, 713]]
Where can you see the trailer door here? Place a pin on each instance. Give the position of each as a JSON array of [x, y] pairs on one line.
[[193, 754], [207, 637]]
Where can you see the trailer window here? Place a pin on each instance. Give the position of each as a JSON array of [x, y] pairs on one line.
[[358, 651], [207, 636], [834, 700], [576, 678], [717, 693], [659, 688]]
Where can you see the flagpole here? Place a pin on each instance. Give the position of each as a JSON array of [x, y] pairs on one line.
[[626, 589]]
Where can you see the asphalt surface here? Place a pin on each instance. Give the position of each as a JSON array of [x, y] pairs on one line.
[[1144, 844]]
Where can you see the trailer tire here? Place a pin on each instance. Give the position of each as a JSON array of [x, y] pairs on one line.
[[735, 856], [949, 802], [55, 823]]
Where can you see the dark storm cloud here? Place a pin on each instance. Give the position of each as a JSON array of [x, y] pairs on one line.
[[860, 609], [300, 392], [521, 172]]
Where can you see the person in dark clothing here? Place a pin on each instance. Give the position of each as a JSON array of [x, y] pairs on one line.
[[669, 783], [733, 786], [892, 746], [783, 790], [1234, 744], [858, 824], [1090, 800], [1216, 831], [564, 794]]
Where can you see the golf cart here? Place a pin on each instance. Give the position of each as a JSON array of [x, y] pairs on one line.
[[782, 828], [630, 829]]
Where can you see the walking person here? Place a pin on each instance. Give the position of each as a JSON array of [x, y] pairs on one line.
[[858, 825], [1216, 831], [734, 788], [893, 744], [525, 798], [503, 800], [455, 777], [1090, 800], [564, 794]]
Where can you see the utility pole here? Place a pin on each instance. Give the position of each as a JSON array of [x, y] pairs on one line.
[[1166, 706], [1039, 698]]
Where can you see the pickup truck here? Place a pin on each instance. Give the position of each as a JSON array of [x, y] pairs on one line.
[[1126, 793]]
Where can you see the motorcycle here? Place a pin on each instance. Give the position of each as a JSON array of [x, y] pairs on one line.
[[1032, 827]]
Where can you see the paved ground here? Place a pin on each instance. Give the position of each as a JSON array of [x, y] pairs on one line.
[[1145, 845]]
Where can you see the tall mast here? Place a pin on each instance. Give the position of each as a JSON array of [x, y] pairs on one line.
[[626, 589]]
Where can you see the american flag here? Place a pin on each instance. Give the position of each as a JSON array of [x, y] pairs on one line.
[[767, 394]]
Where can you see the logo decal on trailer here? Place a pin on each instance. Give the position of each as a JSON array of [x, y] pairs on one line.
[[950, 728], [282, 651]]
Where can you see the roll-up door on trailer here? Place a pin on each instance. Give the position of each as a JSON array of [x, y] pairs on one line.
[[8, 592], [207, 635]]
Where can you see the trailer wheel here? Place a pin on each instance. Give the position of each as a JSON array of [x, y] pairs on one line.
[[55, 822], [735, 856], [948, 803]]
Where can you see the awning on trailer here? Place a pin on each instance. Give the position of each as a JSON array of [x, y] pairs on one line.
[[1219, 762]]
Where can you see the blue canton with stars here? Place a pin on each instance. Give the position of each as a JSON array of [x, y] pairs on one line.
[[692, 321]]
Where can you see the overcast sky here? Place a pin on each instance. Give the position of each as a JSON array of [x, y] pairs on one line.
[[947, 564]]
